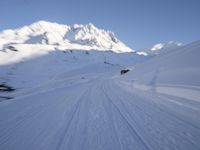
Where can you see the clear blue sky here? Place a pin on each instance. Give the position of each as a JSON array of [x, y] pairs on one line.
[[138, 23]]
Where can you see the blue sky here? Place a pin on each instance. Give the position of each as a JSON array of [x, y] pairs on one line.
[[138, 23]]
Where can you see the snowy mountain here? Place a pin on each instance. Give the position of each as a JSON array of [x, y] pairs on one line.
[[85, 37], [63, 47], [80, 88], [161, 48], [169, 45]]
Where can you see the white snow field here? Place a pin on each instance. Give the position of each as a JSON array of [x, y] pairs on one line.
[[74, 97]]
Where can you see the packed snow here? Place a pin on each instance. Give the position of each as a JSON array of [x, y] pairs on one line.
[[70, 94]]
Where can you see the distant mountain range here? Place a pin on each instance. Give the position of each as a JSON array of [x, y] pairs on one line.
[[78, 36]]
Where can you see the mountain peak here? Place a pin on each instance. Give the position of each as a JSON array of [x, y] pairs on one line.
[[78, 36], [170, 44], [91, 26], [161, 48], [42, 22]]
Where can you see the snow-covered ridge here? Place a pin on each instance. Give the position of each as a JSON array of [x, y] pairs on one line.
[[78, 36], [161, 48], [170, 44]]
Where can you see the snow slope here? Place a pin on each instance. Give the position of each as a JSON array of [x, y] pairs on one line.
[[23, 71], [77, 100], [176, 73]]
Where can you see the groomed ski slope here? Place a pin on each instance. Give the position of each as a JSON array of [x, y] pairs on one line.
[[99, 114], [91, 109]]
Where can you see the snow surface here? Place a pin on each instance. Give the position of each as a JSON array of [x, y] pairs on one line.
[[76, 99]]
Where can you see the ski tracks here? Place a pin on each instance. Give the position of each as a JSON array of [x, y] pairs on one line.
[[96, 115], [153, 120]]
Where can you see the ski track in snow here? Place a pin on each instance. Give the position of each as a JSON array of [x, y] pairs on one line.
[[100, 114]]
